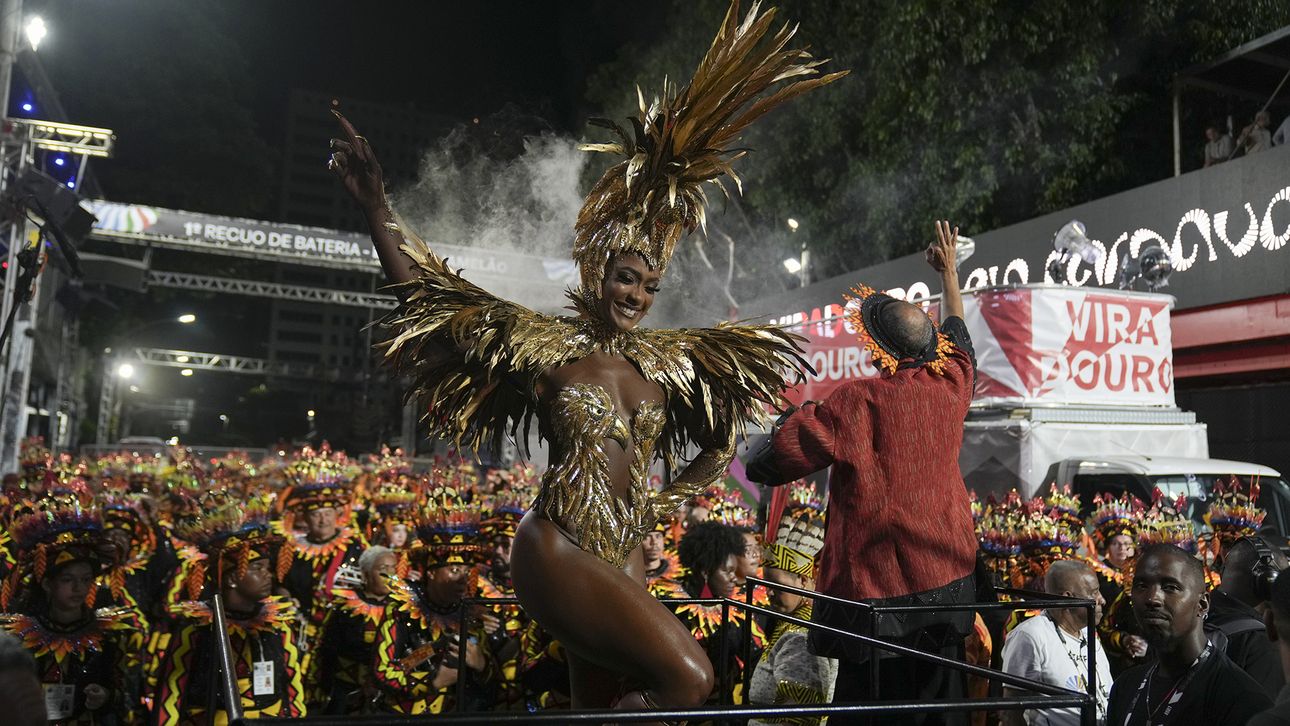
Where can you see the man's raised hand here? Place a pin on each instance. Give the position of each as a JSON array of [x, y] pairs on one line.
[[941, 253]]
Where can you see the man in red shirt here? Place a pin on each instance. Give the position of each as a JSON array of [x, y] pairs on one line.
[[899, 522]]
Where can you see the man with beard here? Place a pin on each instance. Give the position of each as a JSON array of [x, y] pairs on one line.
[[1192, 682]]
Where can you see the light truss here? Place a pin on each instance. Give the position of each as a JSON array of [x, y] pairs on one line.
[[276, 290], [225, 363], [70, 138]]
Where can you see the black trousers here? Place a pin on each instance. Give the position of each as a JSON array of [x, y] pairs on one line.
[[903, 679], [899, 678]]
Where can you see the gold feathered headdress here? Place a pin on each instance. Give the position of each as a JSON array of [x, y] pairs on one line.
[[685, 138]]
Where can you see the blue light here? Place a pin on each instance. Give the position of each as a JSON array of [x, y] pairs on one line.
[[71, 185], [59, 161], [27, 107]]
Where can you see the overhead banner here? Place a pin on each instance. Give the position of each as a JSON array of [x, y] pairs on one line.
[[1034, 345], [300, 245], [1062, 345]]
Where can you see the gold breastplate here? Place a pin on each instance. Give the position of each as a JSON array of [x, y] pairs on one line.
[[576, 491]]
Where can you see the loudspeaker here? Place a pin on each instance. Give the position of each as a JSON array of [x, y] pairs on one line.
[[65, 220]]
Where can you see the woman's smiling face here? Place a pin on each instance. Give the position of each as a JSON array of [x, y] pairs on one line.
[[627, 291]]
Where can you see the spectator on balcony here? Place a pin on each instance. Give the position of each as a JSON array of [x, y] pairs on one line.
[[1218, 145], [1256, 137]]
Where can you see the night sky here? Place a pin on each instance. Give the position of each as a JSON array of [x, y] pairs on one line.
[[458, 59], [197, 96]]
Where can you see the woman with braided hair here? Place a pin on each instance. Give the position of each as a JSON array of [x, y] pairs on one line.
[[609, 396]]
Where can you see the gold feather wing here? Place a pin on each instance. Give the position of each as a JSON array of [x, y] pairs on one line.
[[473, 357]]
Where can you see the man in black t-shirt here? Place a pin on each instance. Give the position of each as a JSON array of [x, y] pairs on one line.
[[1191, 682]]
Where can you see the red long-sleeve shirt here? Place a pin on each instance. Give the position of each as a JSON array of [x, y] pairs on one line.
[[899, 521]]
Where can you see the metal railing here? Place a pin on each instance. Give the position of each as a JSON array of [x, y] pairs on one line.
[[224, 665], [1050, 696]]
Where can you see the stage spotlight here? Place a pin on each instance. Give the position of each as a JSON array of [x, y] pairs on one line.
[[1152, 266], [1071, 241]]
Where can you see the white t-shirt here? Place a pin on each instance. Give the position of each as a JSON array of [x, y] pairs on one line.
[[1038, 651]]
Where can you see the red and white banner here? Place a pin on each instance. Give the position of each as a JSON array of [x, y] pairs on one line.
[[833, 350], [1034, 344], [1071, 345]]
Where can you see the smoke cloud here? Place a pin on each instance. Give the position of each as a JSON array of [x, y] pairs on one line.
[[524, 197]]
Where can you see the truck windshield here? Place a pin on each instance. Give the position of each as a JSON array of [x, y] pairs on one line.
[[1199, 491], [1274, 494]]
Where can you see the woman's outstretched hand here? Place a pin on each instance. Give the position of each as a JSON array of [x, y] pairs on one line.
[[354, 163]]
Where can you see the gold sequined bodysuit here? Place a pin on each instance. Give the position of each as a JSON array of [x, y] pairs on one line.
[[576, 491]]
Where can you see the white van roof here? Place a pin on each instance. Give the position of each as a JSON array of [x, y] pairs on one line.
[[1167, 465]]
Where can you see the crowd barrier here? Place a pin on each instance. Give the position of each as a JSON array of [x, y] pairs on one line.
[[1047, 696]]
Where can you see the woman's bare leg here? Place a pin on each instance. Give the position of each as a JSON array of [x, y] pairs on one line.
[[605, 618]]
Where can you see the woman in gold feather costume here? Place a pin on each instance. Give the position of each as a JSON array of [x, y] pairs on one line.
[[609, 396]]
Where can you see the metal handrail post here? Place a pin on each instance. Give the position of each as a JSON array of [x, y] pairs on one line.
[[723, 678], [232, 701], [747, 638], [1088, 716], [874, 675], [461, 658]]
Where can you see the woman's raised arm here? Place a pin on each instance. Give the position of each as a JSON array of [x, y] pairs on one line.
[[354, 163]]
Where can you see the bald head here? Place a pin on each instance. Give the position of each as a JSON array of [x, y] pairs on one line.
[[1193, 570], [906, 326]]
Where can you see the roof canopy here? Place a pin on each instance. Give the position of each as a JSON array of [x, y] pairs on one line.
[[1252, 71]]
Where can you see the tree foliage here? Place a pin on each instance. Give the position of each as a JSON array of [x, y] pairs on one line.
[[986, 112]]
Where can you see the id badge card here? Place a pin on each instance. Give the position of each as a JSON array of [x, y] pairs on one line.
[[60, 701], [262, 678]]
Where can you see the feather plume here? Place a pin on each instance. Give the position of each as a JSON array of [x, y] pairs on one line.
[[684, 138]]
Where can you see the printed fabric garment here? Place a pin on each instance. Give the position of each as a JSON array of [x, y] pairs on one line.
[[476, 362], [413, 644], [788, 674], [705, 624], [345, 653], [312, 576], [544, 669], [102, 649], [266, 661], [893, 445], [506, 643]]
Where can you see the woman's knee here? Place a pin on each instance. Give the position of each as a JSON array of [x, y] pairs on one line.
[[689, 683]]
